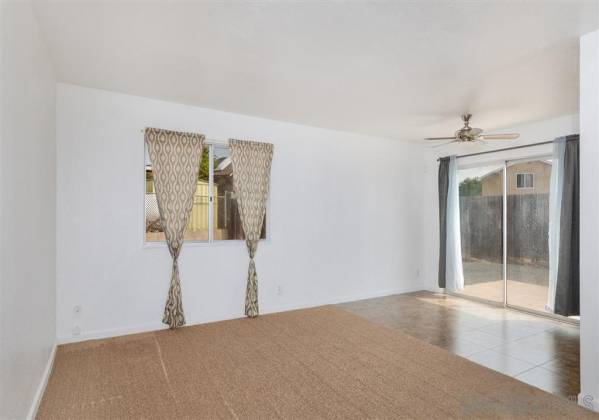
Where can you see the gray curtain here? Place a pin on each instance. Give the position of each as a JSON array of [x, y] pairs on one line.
[[175, 158], [251, 174], [567, 293], [443, 190]]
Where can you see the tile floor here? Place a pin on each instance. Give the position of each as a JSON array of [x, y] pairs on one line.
[[539, 351]]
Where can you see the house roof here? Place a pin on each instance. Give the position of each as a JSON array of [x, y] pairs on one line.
[[484, 172], [545, 162]]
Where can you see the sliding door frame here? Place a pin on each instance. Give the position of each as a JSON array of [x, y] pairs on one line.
[[504, 232], [505, 303]]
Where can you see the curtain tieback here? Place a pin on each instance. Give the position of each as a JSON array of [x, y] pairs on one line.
[[251, 294]]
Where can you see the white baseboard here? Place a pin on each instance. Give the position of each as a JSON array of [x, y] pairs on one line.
[[111, 332], [588, 401], [336, 300], [136, 329], [39, 392]]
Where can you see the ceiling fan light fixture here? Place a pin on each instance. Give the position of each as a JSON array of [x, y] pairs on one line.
[[468, 134]]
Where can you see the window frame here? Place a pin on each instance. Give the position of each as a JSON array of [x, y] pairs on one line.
[[532, 177], [197, 243]]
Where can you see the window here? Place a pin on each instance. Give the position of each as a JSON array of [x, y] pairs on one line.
[[214, 216], [524, 181]]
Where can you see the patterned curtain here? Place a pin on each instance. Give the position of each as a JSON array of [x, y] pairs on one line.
[[251, 173], [175, 158]]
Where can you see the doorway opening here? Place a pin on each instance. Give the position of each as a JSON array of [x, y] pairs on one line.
[[505, 222]]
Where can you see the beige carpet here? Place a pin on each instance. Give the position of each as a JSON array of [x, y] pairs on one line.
[[308, 364]]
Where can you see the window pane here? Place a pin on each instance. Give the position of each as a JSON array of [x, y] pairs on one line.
[[527, 235], [524, 180], [227, 224], [197, 227], [481, 216]]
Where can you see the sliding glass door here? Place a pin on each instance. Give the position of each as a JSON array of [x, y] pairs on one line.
[[505, 221], [481, 221], [528, 191]]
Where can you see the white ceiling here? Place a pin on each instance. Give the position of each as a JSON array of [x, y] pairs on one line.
[[402, 69]]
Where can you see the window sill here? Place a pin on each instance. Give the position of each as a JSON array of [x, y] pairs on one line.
[[201, 244]]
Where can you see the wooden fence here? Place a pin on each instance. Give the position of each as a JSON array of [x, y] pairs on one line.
[[198, 219], [481, 219]]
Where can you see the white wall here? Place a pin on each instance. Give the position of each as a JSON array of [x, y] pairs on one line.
[[27, 206], [344, 218], [529, 133], [589, 211]]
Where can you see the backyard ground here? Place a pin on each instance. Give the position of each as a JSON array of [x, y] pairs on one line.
[[527, 284]]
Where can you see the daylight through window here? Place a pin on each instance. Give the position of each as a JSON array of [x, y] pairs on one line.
[[215, 215]]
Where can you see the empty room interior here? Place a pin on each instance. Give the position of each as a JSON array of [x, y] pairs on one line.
[[299, 209]]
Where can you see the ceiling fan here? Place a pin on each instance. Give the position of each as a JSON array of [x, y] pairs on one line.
[[468, 134]]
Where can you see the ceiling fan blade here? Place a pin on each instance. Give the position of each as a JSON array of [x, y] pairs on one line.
[[507, 136], [440, 138], [443, 144]]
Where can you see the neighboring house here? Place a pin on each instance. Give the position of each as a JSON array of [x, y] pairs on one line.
[[522, 178]]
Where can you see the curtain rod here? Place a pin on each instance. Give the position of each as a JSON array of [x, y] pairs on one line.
[[504, 149], [143, 130]]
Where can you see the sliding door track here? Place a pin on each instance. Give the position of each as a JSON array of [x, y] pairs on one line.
[[553, 317]]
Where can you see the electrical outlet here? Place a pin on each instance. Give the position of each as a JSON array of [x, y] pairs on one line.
[[279, 290], [77, 310], [76, 330]]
